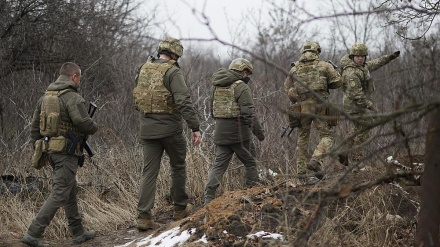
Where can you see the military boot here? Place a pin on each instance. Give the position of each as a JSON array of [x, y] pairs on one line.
[[343, 159], [87, 235], [33, 241], [314, 166], [180, 214], [146, 224]]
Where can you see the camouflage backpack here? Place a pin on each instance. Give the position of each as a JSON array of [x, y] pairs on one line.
[[224, 104], [150, 95]]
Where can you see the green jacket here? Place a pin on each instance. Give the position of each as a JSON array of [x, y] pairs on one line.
[[155, 126], [234, 130], [357, 84], [72, 109]]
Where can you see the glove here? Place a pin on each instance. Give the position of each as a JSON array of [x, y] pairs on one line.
[[293, 96], [395, 55]]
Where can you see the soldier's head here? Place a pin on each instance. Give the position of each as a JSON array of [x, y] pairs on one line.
[[311, 46], [72, 71], [359, 53], [242, 65], [171, 47]]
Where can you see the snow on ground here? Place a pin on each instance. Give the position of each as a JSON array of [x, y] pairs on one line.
[[174, 237]]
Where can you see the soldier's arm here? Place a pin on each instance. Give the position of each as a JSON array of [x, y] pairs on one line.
[[35, 124], [354, 89], [77, 111], [290, 90], [247, 110], [377, 63], [182, 98]]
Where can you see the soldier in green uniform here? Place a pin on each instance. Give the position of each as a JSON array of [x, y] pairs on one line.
[[307, 78], [233, 110], [60, 110], [162, 99], [358, 89]]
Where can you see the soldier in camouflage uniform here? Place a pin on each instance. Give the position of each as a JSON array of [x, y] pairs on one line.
[[233, 110], [358, 88], [307, 77], [163, 99], [71, 115]]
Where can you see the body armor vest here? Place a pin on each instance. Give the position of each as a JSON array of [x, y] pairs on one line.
[[50, 120], [224, 104], [311, 74], [150, 95]]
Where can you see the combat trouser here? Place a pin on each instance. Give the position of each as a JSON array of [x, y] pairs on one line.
[[175, 147], [64, 190], [245, 152], [360, 127], [302, 145]]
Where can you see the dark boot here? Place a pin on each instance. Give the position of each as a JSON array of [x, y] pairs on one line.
[[87, 235], [314, 166], [33, 241], [343, 159]]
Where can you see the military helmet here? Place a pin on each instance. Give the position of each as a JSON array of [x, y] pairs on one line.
[[311, 46], [172, 45], [359, 49], [241, 64]]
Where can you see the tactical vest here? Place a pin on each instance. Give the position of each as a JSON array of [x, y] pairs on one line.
[[224, 104], [150, 95], [310, 73], [50, 120]]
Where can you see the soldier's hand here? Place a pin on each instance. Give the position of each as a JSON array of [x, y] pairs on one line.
[[196, 138], [293, 96], [395, 55]]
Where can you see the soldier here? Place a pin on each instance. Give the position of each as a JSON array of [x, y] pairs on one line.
[[233, 110], [308, 78], [358, 88], [59, 111], [163, 99]]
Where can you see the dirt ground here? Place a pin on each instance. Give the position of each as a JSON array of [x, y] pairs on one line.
[[229, 218]]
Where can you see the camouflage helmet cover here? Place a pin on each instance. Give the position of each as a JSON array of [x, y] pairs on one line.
[[311, 46], [359, 49], [241, 64], [172, 45]]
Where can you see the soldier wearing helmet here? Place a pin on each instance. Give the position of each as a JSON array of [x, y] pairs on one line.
[[307, 87], [233, 110], [162, 99], [358, 89]]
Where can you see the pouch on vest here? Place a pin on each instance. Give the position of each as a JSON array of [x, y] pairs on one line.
[[39, 158], [333, 114], [57, 144], [50, 113], [224, 104]]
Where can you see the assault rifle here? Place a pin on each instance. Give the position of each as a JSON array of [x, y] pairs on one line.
[[74, 139], [333, 64], [285, 131], [92, 109]]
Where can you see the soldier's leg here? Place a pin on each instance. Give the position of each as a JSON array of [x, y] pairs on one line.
[[302, 144], [223, 155], [63, 184], [359, 139], [326, 142], [242, 150], [152, 151], [175, 147]]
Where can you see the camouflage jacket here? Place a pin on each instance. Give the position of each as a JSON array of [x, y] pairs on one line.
[[72, 109], [314, 74], [155, 126], [357, 84], [234, 130]]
